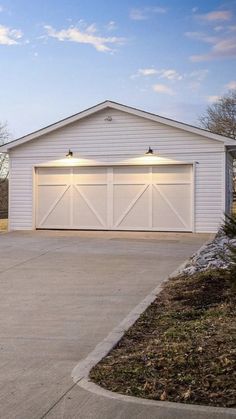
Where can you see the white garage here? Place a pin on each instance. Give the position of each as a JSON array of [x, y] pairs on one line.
[[93, 171], [115, 198]]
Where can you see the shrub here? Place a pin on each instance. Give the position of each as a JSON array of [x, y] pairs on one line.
[[232, 266], [229, 227]]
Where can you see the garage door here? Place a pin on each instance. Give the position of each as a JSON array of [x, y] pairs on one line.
[[115, 198]]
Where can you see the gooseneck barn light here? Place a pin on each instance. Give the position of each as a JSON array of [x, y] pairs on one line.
[[69, 154], [149, 152]]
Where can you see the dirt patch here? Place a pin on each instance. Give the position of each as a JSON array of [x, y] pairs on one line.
[[182, 348]]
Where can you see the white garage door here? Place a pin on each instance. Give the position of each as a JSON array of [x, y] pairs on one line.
[[115, 198]]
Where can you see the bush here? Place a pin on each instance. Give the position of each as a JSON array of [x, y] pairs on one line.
[[3, 198], [232, 266], [229, 227]]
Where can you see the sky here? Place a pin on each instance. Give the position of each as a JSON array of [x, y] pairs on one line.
[[172, 58]]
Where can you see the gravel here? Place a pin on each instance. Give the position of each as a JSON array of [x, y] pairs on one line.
[[212, 255]]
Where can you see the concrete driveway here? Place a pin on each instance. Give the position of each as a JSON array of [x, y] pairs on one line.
[[61, 294]]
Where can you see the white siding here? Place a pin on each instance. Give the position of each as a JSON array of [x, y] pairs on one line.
[[124, 140]]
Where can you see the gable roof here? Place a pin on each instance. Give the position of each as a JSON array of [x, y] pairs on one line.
[[114, 105]]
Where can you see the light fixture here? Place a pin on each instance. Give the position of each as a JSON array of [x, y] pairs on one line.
[[149, 152], [108, 118], [69, 154]]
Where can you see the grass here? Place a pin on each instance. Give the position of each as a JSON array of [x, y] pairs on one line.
[[182, 348], [234, 208], [3, 224]]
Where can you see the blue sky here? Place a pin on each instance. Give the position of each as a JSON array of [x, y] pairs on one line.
[[169, 57]]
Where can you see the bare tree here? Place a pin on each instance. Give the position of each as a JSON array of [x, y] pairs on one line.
[[220, 117], [4, 138]]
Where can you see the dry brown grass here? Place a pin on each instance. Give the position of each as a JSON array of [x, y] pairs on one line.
[[182, 348], [234, 208], [3, 224]]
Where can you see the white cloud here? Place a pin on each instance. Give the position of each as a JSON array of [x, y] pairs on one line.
[[137, 14], [9, 36], [162, 88], [145, 12], [147, 71], [224, 48], [199, 75], [212, 99], [192, 79], [196, 78], [217, 15], [218, 28], [231, 85], [168, 74], [223, 44], [87, 36], [158, 9], [111, 26], [200, 36], [91, 28]]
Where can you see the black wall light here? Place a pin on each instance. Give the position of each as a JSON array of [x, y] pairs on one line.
[[69, 154], [149, 152]]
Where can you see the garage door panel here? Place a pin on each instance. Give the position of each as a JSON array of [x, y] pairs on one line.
[[124, 198], [57, 215], [53, 176], [90, 206], [47, 198], [175, 174], [171, 207], [180, 196], [136, 215], [88, 175], [130, 174]]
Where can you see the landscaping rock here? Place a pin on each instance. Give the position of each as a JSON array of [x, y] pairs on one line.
[[212, 255]]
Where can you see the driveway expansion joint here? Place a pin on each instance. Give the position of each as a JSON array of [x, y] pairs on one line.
[[30, 259], [59, 400]]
